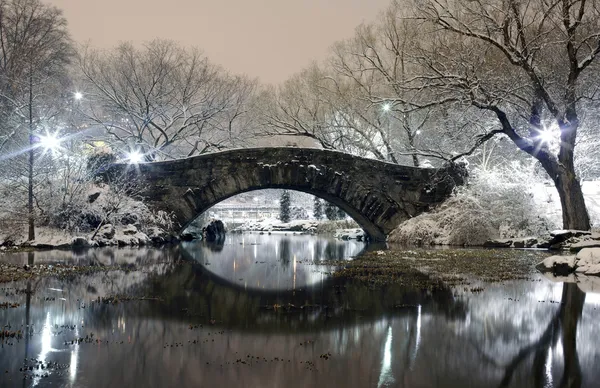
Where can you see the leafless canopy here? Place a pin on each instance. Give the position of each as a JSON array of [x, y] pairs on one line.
[[163, 100]]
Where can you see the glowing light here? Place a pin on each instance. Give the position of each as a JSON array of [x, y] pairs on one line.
[[50, 141], [135, 157], [550, 135], [546, 136], [418, 132], [386, 107], [78, 95]]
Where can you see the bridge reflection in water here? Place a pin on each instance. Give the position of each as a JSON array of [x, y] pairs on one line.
[[205, 325]]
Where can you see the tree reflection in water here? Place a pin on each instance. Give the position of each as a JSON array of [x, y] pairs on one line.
[[384, 336]]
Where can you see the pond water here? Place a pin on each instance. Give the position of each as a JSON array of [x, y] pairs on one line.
[[258, 312]]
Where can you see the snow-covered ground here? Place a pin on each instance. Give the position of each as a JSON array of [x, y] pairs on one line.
[[273, 224], [547, 197]]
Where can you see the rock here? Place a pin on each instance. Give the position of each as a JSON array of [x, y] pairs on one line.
[[107, 231], [80, 242], [215, 231], [142, 239], [567, 233], [560, 239], [129, 230], [499, 243], [350, 234], [526, 242], [157, 235], [93, 197], [576, 247], [191, 233], [558, 265], [123, 240], [588, 261]]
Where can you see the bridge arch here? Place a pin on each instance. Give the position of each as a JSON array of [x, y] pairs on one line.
[[377, 195]]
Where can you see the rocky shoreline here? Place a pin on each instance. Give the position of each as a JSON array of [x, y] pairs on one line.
[[558, 240], [107, 236]]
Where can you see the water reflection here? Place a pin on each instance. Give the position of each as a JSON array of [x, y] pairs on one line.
[[204, 331], [272, 262]]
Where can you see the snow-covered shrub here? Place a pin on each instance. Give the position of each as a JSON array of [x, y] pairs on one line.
[[298, 213], [329, 227], [496, 203]]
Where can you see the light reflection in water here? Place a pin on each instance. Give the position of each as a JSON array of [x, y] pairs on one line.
[[46, 342], [280, 263], [548, 369], [386, 377], [413, 356], [364, 329], [74, 359]]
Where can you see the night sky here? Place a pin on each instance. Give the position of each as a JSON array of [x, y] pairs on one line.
[[269, 39]]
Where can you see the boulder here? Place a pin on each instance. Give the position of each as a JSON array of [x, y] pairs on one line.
[[215, 231], [80, 242], [191, 233], [588, 261], [525, 242], [107, 231], [129, 230], [158, 235], [559, 238], [498, 243], [576, 247], [350, 234], [142, 239], [123, 240]]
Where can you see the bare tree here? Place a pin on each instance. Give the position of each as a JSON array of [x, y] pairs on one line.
[[164, 101], [356, 102], [35, 50], [523, 63]]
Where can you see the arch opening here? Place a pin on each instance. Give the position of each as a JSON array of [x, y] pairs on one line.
[[263, 207]]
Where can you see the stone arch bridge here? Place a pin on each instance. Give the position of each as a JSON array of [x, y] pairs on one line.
[[377, 195]]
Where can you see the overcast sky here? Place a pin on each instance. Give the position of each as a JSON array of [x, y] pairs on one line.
[[269, 39]]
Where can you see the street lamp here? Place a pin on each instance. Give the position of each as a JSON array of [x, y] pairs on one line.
[[78, 95], [135, 157], [50, 141], [386, 107]]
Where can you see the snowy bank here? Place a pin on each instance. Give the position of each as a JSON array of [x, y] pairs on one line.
[[107, 235], [275, 225], [302, 226]]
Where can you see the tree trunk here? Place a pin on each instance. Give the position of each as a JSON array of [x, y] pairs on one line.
[[30, 215], [574, 212]]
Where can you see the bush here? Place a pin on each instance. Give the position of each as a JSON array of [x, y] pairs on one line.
[[496, 203]]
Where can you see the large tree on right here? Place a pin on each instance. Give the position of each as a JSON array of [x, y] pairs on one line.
[[530, 64]]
